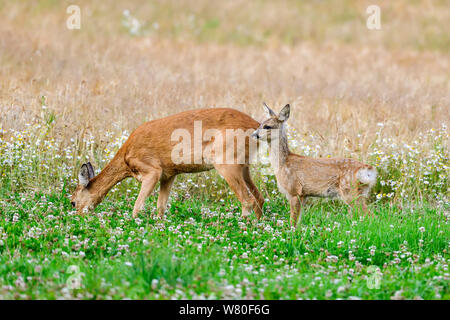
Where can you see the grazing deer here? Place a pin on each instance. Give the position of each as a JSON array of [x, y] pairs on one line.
[[147, 155], [299, 177]]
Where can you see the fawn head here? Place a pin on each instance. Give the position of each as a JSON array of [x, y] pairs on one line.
[[274, 122], [82, 199]]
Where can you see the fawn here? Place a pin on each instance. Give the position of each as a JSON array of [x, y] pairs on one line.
[[299, 176], [147, 155]]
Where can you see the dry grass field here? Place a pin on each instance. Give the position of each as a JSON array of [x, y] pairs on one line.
[[382, 96], [341, 78]]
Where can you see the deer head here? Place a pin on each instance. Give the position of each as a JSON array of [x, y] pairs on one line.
[[82, 199], [274, 122]]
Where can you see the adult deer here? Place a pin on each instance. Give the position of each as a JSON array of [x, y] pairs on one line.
[[148, 155], [299, 177]]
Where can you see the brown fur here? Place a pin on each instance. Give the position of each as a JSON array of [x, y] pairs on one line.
[[300, 177], [146, 156]]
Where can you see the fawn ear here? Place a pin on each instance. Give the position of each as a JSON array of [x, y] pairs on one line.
[[270, 113], [83, 176], [284, 113]]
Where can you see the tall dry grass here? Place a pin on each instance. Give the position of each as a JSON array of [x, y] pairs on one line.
[[342, 79]]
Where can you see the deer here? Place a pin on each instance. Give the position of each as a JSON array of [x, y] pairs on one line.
[[299, 177], [148, 156]]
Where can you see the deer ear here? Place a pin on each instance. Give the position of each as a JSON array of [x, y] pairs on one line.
[[270, 113], [91, 170], [83, 176], [284, 113]]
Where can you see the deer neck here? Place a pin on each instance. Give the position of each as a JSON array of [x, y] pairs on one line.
[[114, 172], [279, 149]]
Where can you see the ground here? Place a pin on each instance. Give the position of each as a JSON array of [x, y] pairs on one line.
[[68, 96], [203, 250]]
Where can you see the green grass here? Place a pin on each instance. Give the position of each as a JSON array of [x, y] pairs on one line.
[[205, 249]]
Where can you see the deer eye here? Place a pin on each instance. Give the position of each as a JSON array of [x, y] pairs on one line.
[[73, 204], [267, 127]]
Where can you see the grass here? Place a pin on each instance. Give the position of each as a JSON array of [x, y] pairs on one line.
[[204, 250], [71, 96]]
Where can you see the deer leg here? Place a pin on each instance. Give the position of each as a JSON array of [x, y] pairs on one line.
[[296, 207], [259, 199], [343, 195], [148, 184], [354, 200], [360, 202], [302, 204], [164, 191], [234, 177]]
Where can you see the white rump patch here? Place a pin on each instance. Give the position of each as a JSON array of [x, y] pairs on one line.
[[367, 176]]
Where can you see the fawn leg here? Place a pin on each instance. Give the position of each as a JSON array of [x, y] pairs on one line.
[[344, 196], [354, 200], [164, 191], [360, 202], [148, 184], [296, 207], [259, 199]]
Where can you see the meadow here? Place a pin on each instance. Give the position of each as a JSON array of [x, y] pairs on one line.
[[71, 96]]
